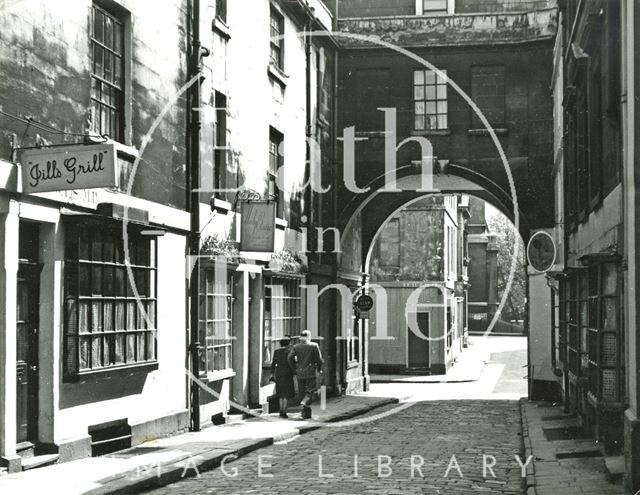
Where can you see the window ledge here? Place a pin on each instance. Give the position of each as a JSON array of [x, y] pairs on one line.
[[431, 132], [86, 376], [220, 27], [281, 223], [128, 151], [277, 74], [371, 134], [220, 206], [216, 376], [500, 131]]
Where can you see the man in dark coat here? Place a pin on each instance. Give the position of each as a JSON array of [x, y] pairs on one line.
[[306, 359]]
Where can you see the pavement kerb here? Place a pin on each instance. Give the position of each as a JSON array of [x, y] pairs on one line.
[[531, 469], [191, 465]]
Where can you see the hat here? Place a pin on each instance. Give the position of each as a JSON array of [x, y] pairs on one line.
[[306, 334]]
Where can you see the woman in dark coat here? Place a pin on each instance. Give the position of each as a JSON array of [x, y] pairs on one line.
[[282, 373]]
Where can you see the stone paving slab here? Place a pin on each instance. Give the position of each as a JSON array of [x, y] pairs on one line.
[[548, 475], [166, 460]]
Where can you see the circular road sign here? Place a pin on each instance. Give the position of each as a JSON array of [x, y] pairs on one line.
[[364, 303]]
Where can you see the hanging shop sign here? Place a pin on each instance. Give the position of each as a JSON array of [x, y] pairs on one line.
[[258, 226], [62, 168]]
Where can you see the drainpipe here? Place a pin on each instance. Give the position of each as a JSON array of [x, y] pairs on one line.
[[195, 128]]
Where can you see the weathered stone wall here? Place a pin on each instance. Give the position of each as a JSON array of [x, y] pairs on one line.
[[527, 137], [477, 6], [452, 30], [45, 68], [421, 244], [375, 8]]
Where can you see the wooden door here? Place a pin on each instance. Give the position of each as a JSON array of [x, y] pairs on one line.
[[27, 354], [418, 348]]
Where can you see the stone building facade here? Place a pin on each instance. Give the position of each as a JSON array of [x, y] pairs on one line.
[[95, 103], [418, 265], [595, 344], [440, 74]]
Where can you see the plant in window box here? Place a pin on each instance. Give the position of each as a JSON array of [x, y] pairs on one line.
[[286, 261], [218, 249]]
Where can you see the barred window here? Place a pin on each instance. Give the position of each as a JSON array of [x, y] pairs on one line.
[[277, 40], [110, 314], [604, 353], [107, 73], [430, 100], [282, 312], [216, 306]]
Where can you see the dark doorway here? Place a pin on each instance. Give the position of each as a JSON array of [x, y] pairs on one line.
[[27, 322], [418, 348]]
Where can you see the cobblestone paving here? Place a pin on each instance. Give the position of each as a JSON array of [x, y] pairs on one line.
[[444, 440]]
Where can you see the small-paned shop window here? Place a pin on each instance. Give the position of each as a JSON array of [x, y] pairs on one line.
[[109, 298], [216, 305], [282, 312]]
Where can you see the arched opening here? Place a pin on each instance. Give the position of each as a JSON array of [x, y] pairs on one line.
[[444, 276]]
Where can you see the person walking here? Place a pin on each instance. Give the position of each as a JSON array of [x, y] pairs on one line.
[[306, 359], [282, 374]]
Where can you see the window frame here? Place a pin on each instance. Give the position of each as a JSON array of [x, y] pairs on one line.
[[82, 290], [221, 175], [425, 100], [221, 10], [276, 162], [394, 223], [499, 73], [210, 288], [117, 90], [421, 9], [276, 46], [288, 302]]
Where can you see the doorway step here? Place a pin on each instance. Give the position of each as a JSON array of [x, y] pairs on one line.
[[34, 456], [416, 371]]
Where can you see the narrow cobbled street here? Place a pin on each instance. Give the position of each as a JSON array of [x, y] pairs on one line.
[[447, 441], [444, 446]]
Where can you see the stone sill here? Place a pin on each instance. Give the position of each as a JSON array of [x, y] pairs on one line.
[[431, 132], [108, 373], [220, 206], [281, 224], [500, 131], [221, 28], [278, 75], [220, 375], [371, 134]]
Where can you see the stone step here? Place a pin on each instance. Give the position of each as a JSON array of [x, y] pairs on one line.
[[254, 413], [39, 461], [26, 449], [234, 418], [614, 469]]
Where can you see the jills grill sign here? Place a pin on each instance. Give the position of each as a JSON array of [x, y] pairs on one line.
[[61, 168]]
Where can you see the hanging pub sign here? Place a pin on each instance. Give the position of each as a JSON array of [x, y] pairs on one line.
[[258, 226], [61, 168]]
